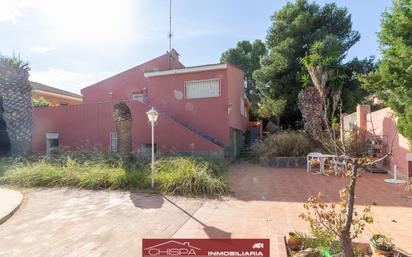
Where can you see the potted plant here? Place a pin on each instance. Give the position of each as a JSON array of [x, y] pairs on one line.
[[381, 245], [294, 241]]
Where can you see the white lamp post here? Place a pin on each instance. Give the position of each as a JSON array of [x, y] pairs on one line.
[[152, 115]]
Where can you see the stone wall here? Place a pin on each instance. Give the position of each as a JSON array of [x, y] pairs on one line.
[[285, 162]]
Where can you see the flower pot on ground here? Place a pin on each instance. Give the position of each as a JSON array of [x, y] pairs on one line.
[[381, 245], [294, 241]]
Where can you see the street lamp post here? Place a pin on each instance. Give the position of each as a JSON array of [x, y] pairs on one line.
[[152, 115]]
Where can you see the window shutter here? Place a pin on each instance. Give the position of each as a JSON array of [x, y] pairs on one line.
[[202, 88]]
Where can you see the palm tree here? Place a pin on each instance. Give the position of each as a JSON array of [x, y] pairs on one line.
[[123, 122], [15, 91]]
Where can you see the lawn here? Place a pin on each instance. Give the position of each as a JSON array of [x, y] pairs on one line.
[[97, 171]]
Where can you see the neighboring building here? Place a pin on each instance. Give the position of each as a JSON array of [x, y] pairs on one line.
[[203, 110], [378, 130], [54, 95]]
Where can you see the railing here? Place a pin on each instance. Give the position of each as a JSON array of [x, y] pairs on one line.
[[189, 127]]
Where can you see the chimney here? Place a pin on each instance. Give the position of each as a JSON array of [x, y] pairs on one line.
[[362, 112], [174, 55]]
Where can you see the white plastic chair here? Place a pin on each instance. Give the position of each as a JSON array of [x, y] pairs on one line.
[[341, 160], [312, 156]]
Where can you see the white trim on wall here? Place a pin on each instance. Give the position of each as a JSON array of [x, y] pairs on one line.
[[185, 70]]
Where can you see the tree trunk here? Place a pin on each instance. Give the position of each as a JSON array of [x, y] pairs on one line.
[[345, 237], [346, 242], [15, 91], [311, 106]]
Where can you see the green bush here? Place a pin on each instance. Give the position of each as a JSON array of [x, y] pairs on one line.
[[187, 176], [93, 170], [322, 240], [287, 143]]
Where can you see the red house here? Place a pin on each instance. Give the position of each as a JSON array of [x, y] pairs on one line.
[[203, 110]]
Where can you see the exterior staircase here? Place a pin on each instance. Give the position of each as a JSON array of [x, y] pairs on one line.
[[189, 127], [246, 153]]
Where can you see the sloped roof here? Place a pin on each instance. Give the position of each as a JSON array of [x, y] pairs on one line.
[[205, 67], [42, 87]]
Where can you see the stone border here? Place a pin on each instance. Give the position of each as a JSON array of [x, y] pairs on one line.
[[285, 162], [12, 201]]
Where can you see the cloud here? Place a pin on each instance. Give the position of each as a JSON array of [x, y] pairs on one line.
[[10, 10], [41, 49], [71, 81]]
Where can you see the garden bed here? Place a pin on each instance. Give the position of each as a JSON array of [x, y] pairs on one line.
[[287, 149], [316, 250], [98, 171]]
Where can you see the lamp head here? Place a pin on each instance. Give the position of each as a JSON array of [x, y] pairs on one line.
[[152, 115]]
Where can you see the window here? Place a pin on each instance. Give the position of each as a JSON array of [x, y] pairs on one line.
[[63, 103], [139, 97], [113, 142], [242, 106], [202, 88], [52, 142], [146, 149]]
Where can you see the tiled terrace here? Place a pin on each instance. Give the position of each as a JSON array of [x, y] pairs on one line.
[[267, 201], [265, 204]]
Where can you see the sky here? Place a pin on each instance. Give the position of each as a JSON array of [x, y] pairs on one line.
[[71, 44]]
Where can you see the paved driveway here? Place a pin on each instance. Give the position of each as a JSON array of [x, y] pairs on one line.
[[265, 203]]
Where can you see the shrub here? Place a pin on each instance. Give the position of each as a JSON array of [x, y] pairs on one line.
[[329, 218], [41, 102], [288, 143], [94, 170], [188, 176], [323, 240]]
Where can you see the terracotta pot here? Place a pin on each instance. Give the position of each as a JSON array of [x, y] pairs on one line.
[[293, 242], [379, 252]]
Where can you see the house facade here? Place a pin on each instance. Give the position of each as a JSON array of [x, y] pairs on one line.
[[203, 110], [54, 96], [378, 130]]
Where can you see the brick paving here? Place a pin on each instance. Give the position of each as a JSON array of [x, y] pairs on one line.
[[79, 223], [265, 203]]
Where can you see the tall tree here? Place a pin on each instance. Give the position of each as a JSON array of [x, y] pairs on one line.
[[295, 28], [15, 92], [247, 56], [353, 93], [393, 80]]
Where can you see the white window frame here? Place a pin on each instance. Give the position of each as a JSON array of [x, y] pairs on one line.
[[187, 83], [114, 142]]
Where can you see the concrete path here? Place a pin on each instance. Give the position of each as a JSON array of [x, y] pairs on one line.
[[265, 204], [10, 201], [73, 223]]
